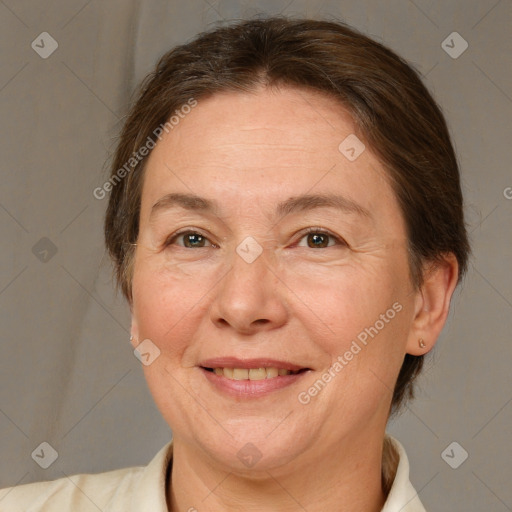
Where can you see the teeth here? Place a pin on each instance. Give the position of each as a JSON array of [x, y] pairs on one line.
[[252, 373], [257, 374], [240, 374], [272, 372]]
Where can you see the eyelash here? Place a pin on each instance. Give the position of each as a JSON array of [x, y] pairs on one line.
[[187, 231]]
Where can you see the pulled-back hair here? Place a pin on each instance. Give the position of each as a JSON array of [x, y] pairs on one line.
[[392, 109]]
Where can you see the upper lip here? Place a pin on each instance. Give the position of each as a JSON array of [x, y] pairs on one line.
[[261, 362]]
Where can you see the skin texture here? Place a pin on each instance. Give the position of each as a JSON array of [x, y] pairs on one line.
[[296, 302]]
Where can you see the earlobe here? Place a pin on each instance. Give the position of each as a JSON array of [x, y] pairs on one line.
[[433, 304], [134, 333]]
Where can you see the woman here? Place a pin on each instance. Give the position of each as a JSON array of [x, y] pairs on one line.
[[286, 224]]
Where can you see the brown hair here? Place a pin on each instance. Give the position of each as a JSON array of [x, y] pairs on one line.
[[391, 107]]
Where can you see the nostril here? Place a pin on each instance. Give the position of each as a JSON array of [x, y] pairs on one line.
[[261, 321]]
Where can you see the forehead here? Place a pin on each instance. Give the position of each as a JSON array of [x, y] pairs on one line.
[[280, 120], [268, 145]]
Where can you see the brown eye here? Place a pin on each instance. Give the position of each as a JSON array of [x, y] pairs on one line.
[[319, 239], [189, 240], [194, 240]]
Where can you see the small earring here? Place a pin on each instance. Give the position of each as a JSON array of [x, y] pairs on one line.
[[131, 337], [421, 343]]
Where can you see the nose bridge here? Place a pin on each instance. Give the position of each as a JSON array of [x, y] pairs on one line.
[[253, 262], [249, 296]]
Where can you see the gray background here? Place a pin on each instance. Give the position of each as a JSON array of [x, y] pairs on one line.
[[67, 372]]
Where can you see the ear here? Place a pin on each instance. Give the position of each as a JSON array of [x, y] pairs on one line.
[[134, 332], [432, 304]]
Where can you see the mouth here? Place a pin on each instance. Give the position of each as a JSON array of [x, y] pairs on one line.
[[253, 373], [250, 378]]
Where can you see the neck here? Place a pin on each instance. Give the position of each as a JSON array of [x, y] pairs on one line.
[[347, 477]]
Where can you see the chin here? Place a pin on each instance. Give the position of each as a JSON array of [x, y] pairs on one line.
[[243, 444], [251, 456]]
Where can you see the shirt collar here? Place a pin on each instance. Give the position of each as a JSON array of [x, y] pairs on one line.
[[150, 495], [402, 496]]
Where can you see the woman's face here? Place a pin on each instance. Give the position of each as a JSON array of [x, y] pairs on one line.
[[232, 288]]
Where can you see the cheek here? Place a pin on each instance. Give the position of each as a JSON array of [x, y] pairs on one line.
[[341, 301], [167, 307], [358, 317], [333, 302], [166, 303]]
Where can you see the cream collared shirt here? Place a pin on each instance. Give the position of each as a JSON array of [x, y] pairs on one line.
[[142, 489]]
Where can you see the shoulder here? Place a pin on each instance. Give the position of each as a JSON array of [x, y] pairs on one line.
[[109, 491], [78, 492]]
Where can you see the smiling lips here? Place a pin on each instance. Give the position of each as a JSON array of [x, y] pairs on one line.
[[232, 370], [252, 373]]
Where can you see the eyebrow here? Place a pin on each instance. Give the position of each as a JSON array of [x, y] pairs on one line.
[[292, 205]]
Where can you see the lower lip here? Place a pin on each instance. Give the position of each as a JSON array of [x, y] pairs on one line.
[[251, 388]]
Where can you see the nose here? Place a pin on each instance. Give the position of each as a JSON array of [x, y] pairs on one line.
[[250, 297]]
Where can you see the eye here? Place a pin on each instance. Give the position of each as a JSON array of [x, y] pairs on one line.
[[189, 239], [318, 238]]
